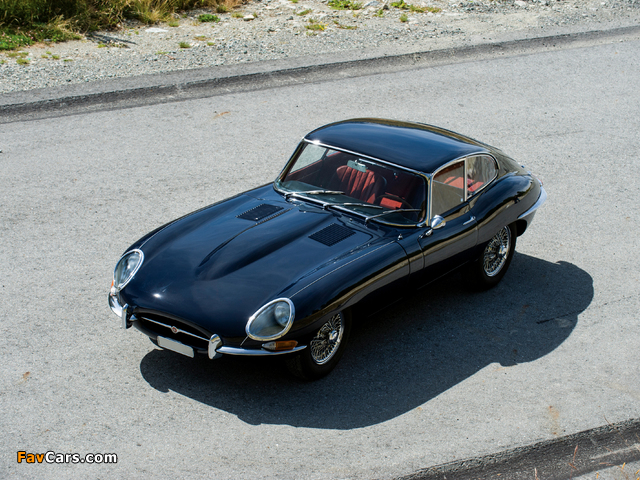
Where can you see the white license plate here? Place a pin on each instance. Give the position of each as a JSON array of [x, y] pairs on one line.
[[175, 346]]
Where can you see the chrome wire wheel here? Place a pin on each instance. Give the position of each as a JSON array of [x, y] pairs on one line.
[[496, 252], [326, 342]]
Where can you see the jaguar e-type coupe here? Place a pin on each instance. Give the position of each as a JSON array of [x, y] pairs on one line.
[[364, 212]]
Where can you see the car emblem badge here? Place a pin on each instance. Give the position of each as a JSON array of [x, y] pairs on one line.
[[174, 330]]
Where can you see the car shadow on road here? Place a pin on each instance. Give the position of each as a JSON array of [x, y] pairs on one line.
[[398, 359]]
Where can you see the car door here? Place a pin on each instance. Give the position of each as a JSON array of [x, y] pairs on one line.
[[452, 244]]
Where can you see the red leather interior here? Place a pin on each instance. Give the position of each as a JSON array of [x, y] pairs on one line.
[[390, 203], [354, 183]]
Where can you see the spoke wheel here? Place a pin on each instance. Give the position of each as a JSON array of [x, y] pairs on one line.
[[488, 270], [324, 350], [327, 341], [496, 252]]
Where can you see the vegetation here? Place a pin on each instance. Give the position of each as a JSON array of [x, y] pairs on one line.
[[207, 17], [344, 27], [401, 4], [184, 45], [404, 18], [344, 5], [315, 26], [304, 12], [23, 22]]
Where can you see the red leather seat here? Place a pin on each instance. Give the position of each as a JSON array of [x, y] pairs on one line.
[[364, 186]]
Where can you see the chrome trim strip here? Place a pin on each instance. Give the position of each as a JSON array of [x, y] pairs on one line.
[[541, 199], [172, 326], [256, 352], [469, 221]]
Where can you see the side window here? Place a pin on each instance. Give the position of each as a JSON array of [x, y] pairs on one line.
[[447, 190], [480, 171]]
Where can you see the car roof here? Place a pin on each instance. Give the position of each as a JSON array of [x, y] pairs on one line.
[[417, 146]]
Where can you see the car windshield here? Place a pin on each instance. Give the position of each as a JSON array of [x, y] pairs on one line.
[[342, 180]]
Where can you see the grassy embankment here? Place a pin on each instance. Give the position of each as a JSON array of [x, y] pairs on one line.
[[23, 22]]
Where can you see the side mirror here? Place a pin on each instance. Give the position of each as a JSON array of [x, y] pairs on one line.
[[437, 222]]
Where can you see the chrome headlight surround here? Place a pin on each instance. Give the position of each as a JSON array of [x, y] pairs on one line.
[[126, 268], [271, 321]]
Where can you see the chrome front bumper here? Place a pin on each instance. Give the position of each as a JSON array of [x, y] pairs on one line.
[[215, 347], [528, 215]]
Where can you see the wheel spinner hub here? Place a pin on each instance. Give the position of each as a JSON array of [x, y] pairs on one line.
[[326, 342]]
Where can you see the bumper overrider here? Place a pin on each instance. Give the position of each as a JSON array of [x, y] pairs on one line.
[[215, 346]]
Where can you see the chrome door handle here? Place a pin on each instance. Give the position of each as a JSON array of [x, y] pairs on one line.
[[472, 219]]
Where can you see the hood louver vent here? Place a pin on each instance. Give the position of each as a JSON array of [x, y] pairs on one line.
[[332, 234], [258, 213]]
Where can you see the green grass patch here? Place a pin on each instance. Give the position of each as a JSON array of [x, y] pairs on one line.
[[315, 26], [304, 12], [207, 17], [222, 8], [344, 27], [237, 15], [344, 5], [173, 23], [404, 18], [22, 61], [379, 13], [184, 45]]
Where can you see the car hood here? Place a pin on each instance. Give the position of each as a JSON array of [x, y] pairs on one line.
[[219, 265]]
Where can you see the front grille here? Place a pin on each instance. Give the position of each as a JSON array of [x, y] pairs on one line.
[[332, 234], [164, 326]]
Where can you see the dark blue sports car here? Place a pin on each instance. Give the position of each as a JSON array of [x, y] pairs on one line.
[[365, 211]]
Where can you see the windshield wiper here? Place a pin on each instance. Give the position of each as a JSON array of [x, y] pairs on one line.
[[400, 210], [352, 205], [313, 192]]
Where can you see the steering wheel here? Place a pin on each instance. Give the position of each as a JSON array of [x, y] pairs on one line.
[[395, 198]]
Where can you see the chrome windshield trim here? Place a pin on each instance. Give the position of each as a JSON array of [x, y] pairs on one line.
[[385, 162], [255, 351], [171, 327], [541, 199], [425, 176]]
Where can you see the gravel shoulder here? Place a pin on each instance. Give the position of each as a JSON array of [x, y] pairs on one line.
[[278, 29]]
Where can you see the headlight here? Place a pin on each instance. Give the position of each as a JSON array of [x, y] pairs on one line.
[[271, 321], [126, 268]]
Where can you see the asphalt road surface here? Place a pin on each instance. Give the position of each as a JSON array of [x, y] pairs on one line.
[[444, 376]]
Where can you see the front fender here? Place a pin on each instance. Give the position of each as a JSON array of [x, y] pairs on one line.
[[377, 271]]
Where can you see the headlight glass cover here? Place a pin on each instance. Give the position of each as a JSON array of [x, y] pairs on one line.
[[272, 321], [126, 268]]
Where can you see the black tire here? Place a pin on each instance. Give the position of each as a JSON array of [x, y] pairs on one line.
[[324, 350], [493, 263]]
